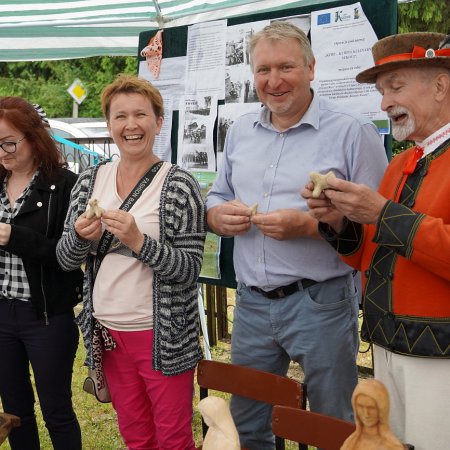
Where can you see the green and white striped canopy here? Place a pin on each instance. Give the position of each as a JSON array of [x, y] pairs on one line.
[[32, 30]]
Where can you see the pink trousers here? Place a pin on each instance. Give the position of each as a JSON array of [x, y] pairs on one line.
[[154, 411]]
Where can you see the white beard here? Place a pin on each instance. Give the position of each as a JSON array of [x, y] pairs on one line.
[[402, 132]]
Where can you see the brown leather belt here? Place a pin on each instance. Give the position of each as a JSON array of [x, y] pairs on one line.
[[284, 291]]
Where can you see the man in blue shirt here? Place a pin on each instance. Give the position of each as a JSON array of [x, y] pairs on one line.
[[295, 299]]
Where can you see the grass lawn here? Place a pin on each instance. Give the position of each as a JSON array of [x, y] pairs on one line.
[[98, 421]]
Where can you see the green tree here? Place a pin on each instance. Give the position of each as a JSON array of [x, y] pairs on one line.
[[46, 82], [424, 15], [421, 15]]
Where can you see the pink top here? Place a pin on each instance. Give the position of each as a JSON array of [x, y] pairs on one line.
[[123, 289]]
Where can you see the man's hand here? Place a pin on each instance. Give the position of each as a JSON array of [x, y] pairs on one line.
[[230, 218], [357, 202], [285, 224], [321, 208]]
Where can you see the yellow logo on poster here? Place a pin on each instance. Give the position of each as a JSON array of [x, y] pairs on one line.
[[77, 91]]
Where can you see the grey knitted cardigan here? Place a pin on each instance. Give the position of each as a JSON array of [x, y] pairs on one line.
[[176, 259]]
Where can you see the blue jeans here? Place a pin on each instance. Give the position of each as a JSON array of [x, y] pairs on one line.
[[316, 327], [51, 350]]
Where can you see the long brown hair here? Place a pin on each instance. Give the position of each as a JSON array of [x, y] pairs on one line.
[[22, 115]]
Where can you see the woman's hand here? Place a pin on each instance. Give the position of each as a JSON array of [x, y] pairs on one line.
[[124, 227], [88, 229], [5, 233]]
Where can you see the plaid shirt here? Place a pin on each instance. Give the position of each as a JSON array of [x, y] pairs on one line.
[[13, 278]]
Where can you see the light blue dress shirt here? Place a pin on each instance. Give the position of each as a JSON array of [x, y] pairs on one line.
[[264, 166]]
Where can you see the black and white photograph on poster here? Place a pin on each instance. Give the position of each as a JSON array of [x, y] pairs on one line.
[[233, 86], [234, 51], [224, 123], [195, 132], [237, 42], [250, 95], [195, 158], [226, 116], [239, 86], [199, 105]]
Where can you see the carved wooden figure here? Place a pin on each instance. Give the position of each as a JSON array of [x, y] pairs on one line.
[[222, 433], [95, 210], [370, 402], [320, 182]]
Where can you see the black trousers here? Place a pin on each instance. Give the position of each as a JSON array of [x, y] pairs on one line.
[[51, 350]]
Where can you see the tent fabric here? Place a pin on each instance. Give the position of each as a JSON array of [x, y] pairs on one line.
[[33, 30]]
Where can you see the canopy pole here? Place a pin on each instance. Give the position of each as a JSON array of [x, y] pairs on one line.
[[159, 17]]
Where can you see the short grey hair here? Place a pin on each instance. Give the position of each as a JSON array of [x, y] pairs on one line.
[[278, 31], [430, 72]]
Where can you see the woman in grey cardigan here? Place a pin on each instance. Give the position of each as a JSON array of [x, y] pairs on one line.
[[140, 303]]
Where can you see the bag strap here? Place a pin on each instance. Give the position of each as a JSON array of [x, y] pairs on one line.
[[133, 196]]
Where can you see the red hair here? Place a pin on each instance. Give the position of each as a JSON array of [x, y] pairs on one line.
[[22, 116]]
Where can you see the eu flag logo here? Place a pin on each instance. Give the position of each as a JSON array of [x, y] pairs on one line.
[[323, 19]]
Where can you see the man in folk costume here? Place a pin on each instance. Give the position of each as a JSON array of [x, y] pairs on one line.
[[399, 237]]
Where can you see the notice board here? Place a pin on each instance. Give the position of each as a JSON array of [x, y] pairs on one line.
[[382, 15]]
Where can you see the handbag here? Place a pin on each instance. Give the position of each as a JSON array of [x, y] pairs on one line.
[[95, 382]]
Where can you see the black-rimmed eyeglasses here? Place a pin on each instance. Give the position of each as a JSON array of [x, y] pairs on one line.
[[10, 147]]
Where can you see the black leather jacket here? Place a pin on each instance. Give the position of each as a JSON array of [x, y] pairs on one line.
[[34, 234]]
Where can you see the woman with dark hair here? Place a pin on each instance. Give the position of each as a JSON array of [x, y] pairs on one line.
[[36, 297]]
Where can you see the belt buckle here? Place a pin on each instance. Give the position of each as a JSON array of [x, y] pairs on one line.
[[280, 292]]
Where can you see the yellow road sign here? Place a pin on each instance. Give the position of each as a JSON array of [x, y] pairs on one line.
[[77, 91]]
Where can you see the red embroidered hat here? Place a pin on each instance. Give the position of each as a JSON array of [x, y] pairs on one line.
[[407, 50]]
